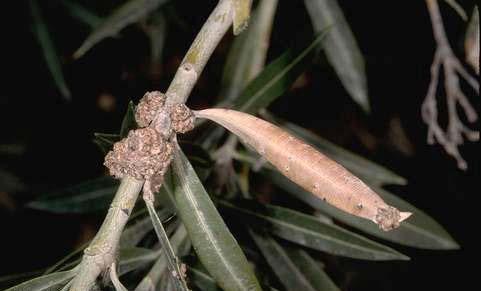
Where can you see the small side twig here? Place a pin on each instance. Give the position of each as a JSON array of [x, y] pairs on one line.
[[115, 278], [173, 263], [444, 57]]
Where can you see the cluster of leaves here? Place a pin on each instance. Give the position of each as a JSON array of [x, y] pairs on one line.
[[282, 243]]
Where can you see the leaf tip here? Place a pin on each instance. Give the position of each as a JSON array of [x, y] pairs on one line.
[[79, 53], [404, 216]]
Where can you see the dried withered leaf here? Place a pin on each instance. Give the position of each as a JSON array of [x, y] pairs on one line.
[[471, 42], [308, 168], [141, 155], [148, 107]]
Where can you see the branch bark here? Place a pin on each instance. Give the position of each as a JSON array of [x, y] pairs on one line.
[[444, 57], [100, 254]]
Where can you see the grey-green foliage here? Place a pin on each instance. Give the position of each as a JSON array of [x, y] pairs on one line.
[[128, 13], [93, 195], [294, 267], [273, 81], [216, 247], [309, 231], [173, 263], [341, 48], [45, 282], [82, 14], [248, 52], [50, 54], [281, 234], [276, 78], [311, 269]]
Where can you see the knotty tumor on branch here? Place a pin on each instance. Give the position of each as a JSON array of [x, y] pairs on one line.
[[452, 137], [146, 153]]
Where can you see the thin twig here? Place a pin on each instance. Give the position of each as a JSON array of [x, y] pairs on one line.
[[101, 253], [115, 278], [153, 277], [172, 261], [444, 57]]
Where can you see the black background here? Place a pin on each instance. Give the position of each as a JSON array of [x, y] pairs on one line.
[[396, 40]]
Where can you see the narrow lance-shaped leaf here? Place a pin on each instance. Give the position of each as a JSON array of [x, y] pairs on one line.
[[214, 244], [157, 32], [286, 271], [341, 48], [241, 15], [88, 196], [133, 257], [311, 269], [244, 62], [158, 269], [134, 233], [168, 250], [122, 16], [247, 54], [50, 54], [458, 8], [420, 231], [128, 123], [82, 14], [308, 168], [276, 78], [105, 141], [45, 282], [308, 231], [202, 279]]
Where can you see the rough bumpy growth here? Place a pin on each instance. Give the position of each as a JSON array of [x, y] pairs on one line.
[[388, 218], [146, 153], [148, 107], [141, 155], [182, 118]]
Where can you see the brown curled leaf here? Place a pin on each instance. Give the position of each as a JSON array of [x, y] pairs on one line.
[[308, 168]]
